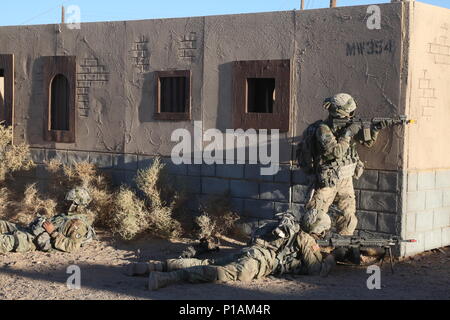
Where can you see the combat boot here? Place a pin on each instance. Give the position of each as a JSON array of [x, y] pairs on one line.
[[158, 280], [327, 264], [144, 268], [137, 269], [155, 265]]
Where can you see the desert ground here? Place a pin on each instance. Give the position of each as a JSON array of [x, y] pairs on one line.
[[42, 276]]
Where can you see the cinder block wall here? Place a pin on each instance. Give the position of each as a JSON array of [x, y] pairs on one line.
[[255, 197]]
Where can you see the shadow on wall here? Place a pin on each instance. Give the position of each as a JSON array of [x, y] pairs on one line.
[[147, 106], [36, 109], [225, 108]]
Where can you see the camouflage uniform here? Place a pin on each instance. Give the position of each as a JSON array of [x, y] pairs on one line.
[[72, 230], [268, 254], [15, 238], [338, 164]]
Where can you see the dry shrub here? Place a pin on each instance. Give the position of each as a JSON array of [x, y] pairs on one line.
[[154, 213], [12, 157], [163, 225], [32, 204], [207, 227], [24, 208], [130, 215], [4, 202], [162, 200], [65, 177], [223, 219], [148, 182]]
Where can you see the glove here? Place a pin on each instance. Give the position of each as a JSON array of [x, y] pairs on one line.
[[382, 125], [352, 130]]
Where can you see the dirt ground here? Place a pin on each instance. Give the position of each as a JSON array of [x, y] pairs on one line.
[[43, 276]]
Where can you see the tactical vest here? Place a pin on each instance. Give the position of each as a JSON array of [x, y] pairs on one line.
[[286, 253], [331, 170], [62, 223]]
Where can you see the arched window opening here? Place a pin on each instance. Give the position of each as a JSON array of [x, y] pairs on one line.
[[59, 108]]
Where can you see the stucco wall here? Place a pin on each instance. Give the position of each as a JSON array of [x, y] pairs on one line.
[[427, 209], [325, 65], [331, 50], [116, 64]]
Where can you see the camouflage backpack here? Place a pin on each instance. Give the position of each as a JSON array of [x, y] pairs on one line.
[[305, 153]]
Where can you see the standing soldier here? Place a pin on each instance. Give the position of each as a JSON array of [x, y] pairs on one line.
[[66, 232], [334, 163], [276, 248]]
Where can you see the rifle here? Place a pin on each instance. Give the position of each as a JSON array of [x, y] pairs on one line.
[[362, 242], [205, 245], [376, 123]]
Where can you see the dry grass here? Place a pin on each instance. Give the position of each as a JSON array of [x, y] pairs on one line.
[[207, 227], [120, 211], [32, 205], [222, 218], [130, 216], [161, 199], [65, 177], [12, 157], [4, 203], [24, 208], [148, 182]]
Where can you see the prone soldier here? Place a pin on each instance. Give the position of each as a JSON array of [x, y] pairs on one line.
[[66, 232], [275, 248]]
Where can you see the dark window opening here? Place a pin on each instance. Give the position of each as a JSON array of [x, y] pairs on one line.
[[173, 95], [260, 95], [60, 91], [60, 86], [2, 91], [6, 89]]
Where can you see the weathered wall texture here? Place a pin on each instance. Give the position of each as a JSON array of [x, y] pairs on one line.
[[331, 51], [116, 64], [336, 52], [427, 211]]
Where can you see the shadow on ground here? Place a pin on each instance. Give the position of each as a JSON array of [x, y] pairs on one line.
[[40, 275]]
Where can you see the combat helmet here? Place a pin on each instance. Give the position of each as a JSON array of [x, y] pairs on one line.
[[341, 105], [79, 196]]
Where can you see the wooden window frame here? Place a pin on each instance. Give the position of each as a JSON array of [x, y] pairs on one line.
[[280, 70], [173, 116], [66, 66], [7, 64]]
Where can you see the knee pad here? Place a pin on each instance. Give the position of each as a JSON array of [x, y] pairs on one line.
[[321, 224]]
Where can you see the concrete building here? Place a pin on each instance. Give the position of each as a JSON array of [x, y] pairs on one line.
[[126, 86]]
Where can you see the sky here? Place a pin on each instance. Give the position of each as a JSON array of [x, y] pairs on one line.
[[26, 12]]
